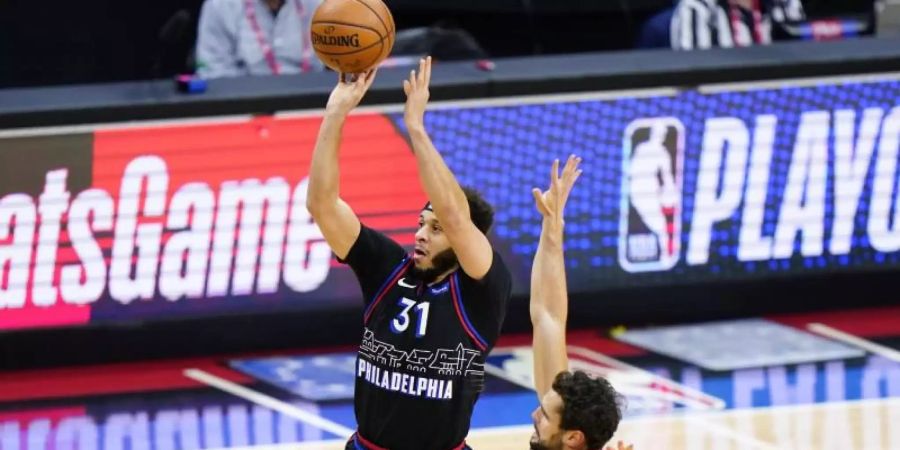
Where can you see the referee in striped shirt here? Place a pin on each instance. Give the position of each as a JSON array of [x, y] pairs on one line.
[[703, 24]]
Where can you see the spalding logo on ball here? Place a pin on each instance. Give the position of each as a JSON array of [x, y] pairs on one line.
[[352, 36]]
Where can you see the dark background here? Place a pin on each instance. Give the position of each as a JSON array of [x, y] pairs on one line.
[[93, 41], [55, 42]]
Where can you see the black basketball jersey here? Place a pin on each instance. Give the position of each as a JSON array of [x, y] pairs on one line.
[[420, 366]]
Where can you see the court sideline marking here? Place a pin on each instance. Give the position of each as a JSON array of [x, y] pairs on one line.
[[847, 338]]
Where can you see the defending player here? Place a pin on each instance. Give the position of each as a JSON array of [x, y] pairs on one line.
[[431, 316], [576, 411]]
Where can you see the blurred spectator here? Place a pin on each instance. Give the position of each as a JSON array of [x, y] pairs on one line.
[[443, 41], [889, 18], [255, 37], [701, 24]]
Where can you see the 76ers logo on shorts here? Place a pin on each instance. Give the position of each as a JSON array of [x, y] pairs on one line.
[[650, 216]]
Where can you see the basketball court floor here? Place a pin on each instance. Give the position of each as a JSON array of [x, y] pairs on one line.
[[302, 400]]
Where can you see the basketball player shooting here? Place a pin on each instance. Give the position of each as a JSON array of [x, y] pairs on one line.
[[431, 316], [576, 411]]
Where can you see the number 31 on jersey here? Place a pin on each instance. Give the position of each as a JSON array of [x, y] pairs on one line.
[[401, 322]]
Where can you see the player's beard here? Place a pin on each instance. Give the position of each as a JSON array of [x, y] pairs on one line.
[[440, 264], [536, 443], [539, 446]]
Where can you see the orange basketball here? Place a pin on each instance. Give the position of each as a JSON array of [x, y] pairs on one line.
[[352, 36]]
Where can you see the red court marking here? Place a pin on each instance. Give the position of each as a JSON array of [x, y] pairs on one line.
[[866, 323], [107, 379]]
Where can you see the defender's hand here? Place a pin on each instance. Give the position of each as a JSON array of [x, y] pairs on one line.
[[552, 202], [416, 89]]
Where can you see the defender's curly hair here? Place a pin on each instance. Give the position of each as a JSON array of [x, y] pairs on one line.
[[590, 405]]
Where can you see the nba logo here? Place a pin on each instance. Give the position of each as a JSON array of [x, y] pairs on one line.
[[650, 215]]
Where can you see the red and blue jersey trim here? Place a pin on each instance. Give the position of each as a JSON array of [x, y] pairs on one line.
[[361, 443], [463, 317], [391, 279]]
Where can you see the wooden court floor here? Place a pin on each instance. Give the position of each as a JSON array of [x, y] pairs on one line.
[[859, 425]]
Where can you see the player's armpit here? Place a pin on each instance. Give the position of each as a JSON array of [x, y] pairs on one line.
[[338, 223]]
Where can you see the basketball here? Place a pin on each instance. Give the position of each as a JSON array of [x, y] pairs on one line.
[[352, 36]]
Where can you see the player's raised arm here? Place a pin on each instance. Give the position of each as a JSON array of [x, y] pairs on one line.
[[549, 296], [338, 223], [447, 197]]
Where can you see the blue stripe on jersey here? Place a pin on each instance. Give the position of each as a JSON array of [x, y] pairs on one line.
[[466, 323], [385, 285]]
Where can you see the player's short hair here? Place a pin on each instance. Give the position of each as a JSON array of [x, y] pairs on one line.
[[481, 212], [590, 405]]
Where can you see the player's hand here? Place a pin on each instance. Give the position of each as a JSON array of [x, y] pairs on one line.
[[347, 94], [621, 446], [552, 202], [416, 89]]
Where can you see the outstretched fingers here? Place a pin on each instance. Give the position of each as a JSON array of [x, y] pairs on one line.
[[540, 202]]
